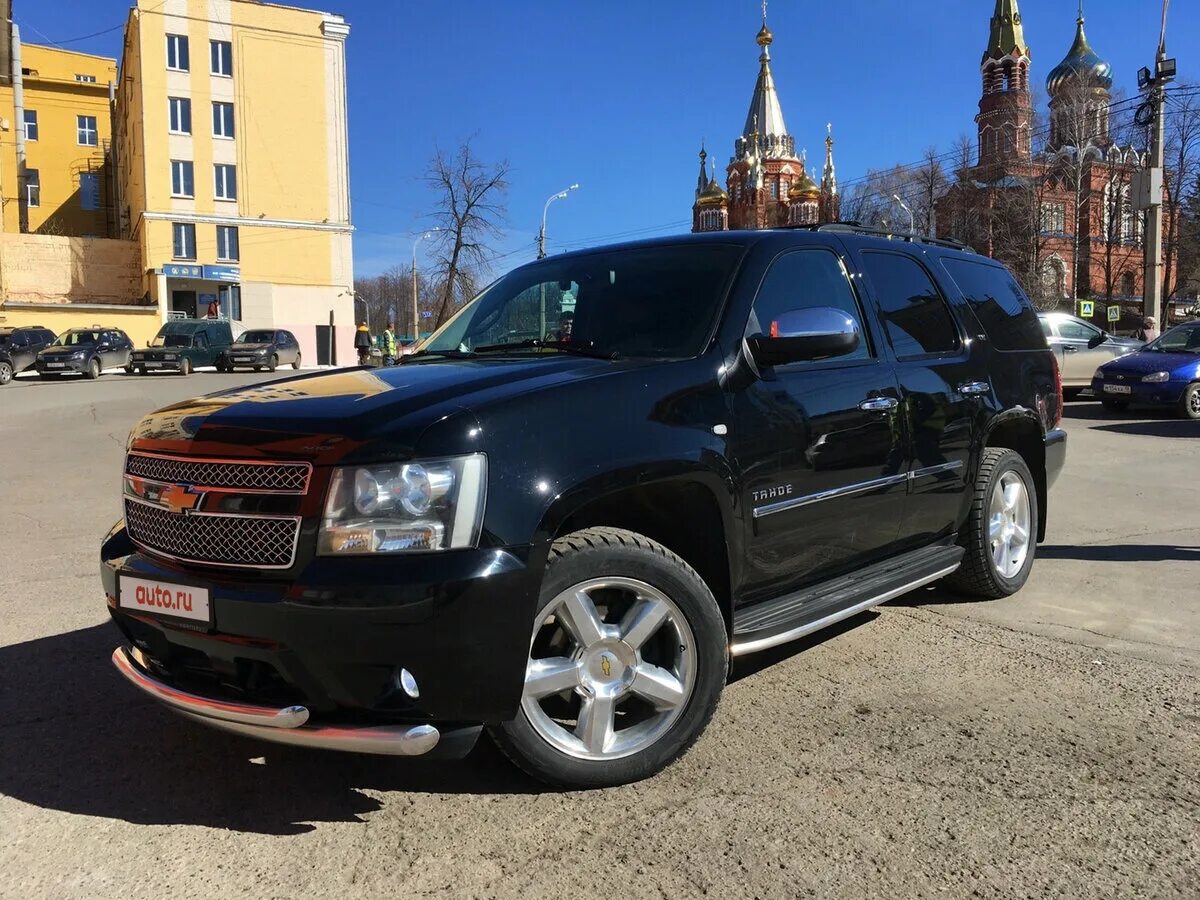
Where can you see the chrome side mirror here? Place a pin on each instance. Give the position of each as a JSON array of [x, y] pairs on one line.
[[804, 335]]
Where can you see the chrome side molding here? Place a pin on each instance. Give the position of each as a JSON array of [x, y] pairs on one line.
[[861, 488]]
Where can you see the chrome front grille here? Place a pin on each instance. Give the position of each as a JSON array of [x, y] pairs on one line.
[[239, 475], [214, 538]]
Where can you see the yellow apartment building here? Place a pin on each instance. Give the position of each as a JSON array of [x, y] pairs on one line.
[[63, 128], [231, 165]]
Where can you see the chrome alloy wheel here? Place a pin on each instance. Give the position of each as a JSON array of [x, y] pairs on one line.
[[1193, 402], [1008, 524], [611, 667]]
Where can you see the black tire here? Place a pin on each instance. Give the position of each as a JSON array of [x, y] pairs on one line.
[[185, 367], [1112, 404], [92, 372], [274, 363], [296, 363], [128, 369], [1189, 403], [978, 575], [6, 372], [610, 552]]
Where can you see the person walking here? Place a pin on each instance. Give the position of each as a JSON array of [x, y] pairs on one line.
[[362, 343], [1148, 331], [387, 343]]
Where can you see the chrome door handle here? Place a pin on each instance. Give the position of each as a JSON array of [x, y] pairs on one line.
[[879, 403], [974, 387], [1070, 349]]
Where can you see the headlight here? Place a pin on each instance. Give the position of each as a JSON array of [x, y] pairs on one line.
[[396, 507], [79, 354], [1156, 377], [1099, 374]]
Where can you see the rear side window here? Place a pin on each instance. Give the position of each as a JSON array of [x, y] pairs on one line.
[[999, 304], [917, 319]]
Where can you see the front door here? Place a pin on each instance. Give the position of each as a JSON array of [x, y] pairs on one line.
[[817, 445], [184, 302], [1081, 349]]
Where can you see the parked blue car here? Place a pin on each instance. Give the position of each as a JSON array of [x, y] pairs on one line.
[[1166, 372]]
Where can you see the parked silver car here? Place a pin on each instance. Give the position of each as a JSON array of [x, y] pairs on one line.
[[1081, 348]]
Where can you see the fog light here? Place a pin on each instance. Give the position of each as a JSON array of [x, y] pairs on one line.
[[408, 684]]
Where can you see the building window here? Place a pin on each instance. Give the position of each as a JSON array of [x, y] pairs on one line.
[[182, 182], [774, 189], [31, 126], [1053, 218], [181, 115], [86, 79], [177, 52], [226, 182], [223, 120], [227, 243], [230, 298], [221, 57], [85, 130], [1127, 284], [89, 191], [183, 235], [33, 187]]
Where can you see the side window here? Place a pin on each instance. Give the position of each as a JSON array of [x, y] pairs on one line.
[[1077, 331], [917, 319], [18, 339], [1046, 329], [999, 304], [803, 279], [200, 341]]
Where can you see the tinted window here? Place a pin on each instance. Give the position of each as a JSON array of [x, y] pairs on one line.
[[804, 279], [18, 339], [917, 319], [650, 302], [1000, 305]]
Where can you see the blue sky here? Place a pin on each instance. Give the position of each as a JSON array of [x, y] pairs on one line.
[[617, 96]]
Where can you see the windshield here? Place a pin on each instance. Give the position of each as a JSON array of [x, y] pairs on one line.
[[171, 340], [78, 339], [256, 337], [652, 302], [1180, 339]]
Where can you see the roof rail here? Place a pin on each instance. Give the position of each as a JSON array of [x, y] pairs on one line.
[[858, 228]]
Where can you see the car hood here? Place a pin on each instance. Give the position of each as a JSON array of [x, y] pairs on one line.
[[248, 348], [51, 352], [1113, 341], [1143, 362], [325, 416]]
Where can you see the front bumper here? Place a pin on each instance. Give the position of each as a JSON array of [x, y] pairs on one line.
[[246, 360], [57, 365], [156, 365], [1056, 454], [331, 638], [1162, 393]]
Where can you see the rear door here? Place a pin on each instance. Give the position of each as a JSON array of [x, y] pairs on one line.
[[21, 351], [941, 385], [818, 446]]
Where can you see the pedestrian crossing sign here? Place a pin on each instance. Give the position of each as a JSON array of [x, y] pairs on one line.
[[1087, 309], [1114, 314]]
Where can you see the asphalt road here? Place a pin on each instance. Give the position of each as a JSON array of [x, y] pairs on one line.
[[1044, 745]]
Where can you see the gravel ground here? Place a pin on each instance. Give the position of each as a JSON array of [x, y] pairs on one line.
[[1045, 745]]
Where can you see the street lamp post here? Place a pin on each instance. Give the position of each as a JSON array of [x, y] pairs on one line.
[[416, 310], [561, 195], [912, 228]]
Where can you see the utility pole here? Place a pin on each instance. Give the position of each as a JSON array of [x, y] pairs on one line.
[[1149, 182], [561, 195], [416, 309]]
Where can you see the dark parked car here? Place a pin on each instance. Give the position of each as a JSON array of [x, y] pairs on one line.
[[1166, 372], [85, 350], [261, 349], [744, 438], [19, 348], [182, 345]]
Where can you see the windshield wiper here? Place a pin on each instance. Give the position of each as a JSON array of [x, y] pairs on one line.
[[573, 348], [448, 354]]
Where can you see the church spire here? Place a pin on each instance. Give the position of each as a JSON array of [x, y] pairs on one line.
[[702, 181], [828, 175], [765, 115], [1008, 34]]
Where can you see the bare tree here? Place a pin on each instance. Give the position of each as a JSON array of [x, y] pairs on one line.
[[927, 184], [470, 208], [1182, 148]]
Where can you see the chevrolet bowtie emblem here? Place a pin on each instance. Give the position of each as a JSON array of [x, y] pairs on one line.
[[179, 498], [606, 667]]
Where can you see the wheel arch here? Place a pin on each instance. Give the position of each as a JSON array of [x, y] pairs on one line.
[[688, 512], [1021, 431]]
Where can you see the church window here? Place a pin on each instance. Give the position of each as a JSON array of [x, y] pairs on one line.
[[1053, 218], [1127, 284]]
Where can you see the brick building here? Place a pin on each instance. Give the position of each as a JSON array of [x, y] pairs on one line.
[[766, 183], [1052, 200]]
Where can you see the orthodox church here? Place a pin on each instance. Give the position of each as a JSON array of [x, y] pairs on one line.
[[1086, 236], [767, 184]]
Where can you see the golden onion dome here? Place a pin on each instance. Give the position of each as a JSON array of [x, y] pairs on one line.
[[713, 195], [804, 188], [765, 37]]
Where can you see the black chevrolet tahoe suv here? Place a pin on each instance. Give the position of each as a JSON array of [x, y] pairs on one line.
[[607, 475]]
